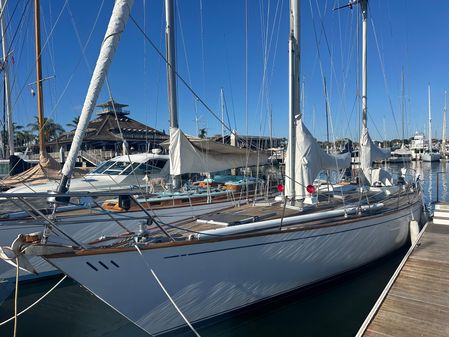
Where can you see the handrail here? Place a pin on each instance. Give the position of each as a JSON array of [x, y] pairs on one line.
[[7, 195]]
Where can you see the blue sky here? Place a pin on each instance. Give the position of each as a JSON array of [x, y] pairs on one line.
[[212, 44]]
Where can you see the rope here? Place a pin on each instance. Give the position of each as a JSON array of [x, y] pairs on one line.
[[167, 294], [192, 91], [32, 305]]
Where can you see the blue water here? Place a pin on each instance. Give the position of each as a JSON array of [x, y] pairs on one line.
[[336, 308]]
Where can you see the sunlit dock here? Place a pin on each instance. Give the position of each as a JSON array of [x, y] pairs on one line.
[[416, 300]]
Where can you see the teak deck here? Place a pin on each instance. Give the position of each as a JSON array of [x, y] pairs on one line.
[[418, 302]]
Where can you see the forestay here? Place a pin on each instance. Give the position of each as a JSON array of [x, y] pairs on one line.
[[311, 159], [194, 155]]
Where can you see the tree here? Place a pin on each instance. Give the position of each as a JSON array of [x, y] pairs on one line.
[[52, 129], [74, 123], [202, 133]]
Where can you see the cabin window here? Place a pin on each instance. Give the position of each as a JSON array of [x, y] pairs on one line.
[[153, 166], [103, 166], [114, 168]]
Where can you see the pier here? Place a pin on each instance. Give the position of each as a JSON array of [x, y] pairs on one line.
[[416, 300]]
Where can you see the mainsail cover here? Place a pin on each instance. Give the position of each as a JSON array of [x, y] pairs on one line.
[[310, 159], [194, 155], [369, 152]]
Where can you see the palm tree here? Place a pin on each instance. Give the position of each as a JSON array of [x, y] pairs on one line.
[[52, 129], [74, 123], [25, 138], [202, 133]]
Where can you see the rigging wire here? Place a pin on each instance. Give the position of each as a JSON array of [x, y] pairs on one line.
[[11, 43], [228, 71], [83, 48], [382, 65], [195, 104], [42, 50], [193, 92], [204, 151]]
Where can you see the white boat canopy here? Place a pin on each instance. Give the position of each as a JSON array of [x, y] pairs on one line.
[[201, 155], [311, 159]]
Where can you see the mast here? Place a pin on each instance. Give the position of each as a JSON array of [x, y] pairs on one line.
[[443, 141], [403, 108], [364, 8], [222, 114], [40, 99], [116, 26], [327, 111], [430, 123], [293, 86], [171, 65], [5, 68]]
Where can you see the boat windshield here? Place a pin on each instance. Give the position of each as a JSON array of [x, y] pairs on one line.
[[114, 168], [153, 166]]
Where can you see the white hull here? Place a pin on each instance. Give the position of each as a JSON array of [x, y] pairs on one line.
[[207, 279], [399, 160], [90, 227], [430, 157]]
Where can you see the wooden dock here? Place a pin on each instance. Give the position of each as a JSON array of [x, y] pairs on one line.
[[416, 301]]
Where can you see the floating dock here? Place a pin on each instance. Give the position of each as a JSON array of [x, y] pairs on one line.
[[416, 300]]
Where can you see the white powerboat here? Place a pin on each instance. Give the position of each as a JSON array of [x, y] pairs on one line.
[[119, 173]]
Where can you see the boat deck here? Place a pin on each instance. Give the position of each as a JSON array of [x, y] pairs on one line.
[[418, 302], [249, 213]]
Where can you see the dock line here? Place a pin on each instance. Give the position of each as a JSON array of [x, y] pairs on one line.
[[167, 294], [32, 305]]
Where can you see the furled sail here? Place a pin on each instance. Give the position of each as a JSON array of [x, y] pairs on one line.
[[311, 159], [369, 152], [116, 26], [193, 155]]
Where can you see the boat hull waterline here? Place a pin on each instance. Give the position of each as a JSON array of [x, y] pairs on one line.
[[212, 278]]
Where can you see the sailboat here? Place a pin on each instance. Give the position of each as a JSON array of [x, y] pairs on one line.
[[24, 171], [124, 173], [230, 259], [430, 155], [403, 154]]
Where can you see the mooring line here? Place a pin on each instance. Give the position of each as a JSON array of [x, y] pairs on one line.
[[166, 293], [32, 305]]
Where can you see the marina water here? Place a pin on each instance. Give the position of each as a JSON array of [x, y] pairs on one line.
[[335, 308]]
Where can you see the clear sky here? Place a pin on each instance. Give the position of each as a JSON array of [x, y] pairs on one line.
[[215, 50]]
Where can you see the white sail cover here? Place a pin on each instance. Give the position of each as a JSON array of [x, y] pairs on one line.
[[116, 26], [310, 159], [369, 152], [196, 155]]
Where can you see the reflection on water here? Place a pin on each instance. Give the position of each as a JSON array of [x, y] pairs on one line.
[[434, 178], [443, 177]]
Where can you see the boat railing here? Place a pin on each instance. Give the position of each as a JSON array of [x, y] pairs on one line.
[[49, 216]]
